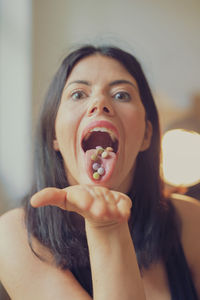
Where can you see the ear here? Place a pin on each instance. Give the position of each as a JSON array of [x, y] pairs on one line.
[[55, 145], [147, 136]]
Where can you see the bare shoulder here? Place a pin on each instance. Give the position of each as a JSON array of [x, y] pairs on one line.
[[188, 209], [12, 232], [11, 217], [182, 203], [13, 247], [23, 275], [13, 235]]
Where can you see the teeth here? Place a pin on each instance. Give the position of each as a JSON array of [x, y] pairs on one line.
[[103, 129], [87, 136], [112, 136]]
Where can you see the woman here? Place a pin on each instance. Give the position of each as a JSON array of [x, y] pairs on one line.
[[98, 224]]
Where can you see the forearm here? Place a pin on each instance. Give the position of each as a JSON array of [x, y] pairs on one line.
[[115, 271]]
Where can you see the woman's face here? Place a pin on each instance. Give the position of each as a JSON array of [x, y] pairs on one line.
[[101, 106]]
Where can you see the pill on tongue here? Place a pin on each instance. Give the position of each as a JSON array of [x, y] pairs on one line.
[[96, 166], [94, 157], [104, 154], [96, 175], [101, 171], [100, 167], [109, 149], [99, 150]]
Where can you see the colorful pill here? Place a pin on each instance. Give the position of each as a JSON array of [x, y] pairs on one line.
[[109, 149], [96, 166], [104, 154], [101, 171], [99, 150], [94, 157], [96, 175]]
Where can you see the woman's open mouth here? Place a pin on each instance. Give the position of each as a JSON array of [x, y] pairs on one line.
[[100, 145], [100, 137]]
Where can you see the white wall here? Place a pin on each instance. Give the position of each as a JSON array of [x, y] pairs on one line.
[[164, 35], [15, 97]]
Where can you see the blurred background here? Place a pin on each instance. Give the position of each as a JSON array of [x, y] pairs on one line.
[[36, 35]]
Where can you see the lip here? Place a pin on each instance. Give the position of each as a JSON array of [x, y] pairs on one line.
[[100, 123]]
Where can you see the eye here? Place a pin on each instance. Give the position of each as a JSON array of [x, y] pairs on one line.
[[78, 95], [122, 96]]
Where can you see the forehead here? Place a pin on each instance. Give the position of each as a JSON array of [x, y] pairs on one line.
[[99, 67]]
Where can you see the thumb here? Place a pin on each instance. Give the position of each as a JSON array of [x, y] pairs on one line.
[[49, 196]]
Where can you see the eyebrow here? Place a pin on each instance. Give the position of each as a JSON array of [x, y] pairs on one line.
[[79, 81], [122, 81], [113, 83]]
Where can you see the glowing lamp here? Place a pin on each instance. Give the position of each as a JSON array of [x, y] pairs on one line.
[[181, 157]]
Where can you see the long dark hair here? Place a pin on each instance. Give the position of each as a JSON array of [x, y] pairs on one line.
[[59, 230]]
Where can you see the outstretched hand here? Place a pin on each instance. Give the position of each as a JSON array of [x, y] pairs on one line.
[[97, 204]]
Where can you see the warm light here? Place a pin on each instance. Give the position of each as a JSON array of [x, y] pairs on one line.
[[181, 157]]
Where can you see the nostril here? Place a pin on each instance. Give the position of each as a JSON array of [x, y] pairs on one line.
[[99, 109], [94, 108], [106, 109]]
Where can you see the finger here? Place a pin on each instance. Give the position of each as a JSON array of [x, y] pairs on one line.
[[124, 207], [73, 198], [79, 197], [112, 203], [104, 204], [49, 196], [98, 208], [101, 206], [121, 196]]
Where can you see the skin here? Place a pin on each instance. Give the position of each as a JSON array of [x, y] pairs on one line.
[[105, 208]]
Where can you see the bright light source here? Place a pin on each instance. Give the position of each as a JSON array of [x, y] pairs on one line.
[[181, 157]]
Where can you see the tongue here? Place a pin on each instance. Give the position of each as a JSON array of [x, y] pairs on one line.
[[106, 163]]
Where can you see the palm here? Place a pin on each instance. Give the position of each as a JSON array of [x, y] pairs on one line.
[[96, 204]]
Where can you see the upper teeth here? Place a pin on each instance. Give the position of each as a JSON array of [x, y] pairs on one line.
[[102, 129]]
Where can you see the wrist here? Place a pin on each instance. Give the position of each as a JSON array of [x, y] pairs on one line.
[[116, 233], [110, 226]]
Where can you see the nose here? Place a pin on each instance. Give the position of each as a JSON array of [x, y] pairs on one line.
[[100, 106]]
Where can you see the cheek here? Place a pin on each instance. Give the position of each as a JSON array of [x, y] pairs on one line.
[[62, 128], [66, 126], [134, 122], [66, 120], [65, 129]]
